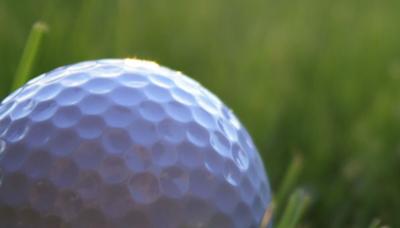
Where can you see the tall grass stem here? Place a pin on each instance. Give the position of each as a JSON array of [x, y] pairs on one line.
[[289, 181], [297, 205], [29, 55]]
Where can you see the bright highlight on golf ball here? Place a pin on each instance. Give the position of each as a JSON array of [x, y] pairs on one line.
[[125, 144]]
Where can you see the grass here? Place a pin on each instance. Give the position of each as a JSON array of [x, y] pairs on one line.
[[318, 78], [296, 207], [28, 56]]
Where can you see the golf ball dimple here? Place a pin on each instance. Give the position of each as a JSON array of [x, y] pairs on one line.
[[125, 143]]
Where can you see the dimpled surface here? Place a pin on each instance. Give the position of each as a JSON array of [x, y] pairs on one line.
[[125, 143]]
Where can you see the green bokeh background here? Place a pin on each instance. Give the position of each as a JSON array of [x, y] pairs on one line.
[[315, 77]]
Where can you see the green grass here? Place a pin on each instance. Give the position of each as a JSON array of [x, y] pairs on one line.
[[28, 57], [296, 207], [318, 78]]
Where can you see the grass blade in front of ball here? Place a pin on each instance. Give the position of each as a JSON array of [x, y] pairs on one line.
[[29, 55]]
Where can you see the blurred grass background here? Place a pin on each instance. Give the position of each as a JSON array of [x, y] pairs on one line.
[[313, 77]]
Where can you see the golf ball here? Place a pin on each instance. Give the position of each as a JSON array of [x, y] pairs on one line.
[[125, 143]]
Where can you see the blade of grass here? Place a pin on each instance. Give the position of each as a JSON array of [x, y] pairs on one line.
[[375, 223], [297, 205], [292, 173], [267, 219], [28, 56]]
